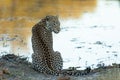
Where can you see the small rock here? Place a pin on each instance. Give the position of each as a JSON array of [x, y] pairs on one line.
[[73, 40], [114, 51], [6, 71], [63, 78], [98, 42], [1, 73], [90, 48], [79, 47], [109, 46]]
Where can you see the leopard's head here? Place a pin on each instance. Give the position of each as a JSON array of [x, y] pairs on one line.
[[52, 23]]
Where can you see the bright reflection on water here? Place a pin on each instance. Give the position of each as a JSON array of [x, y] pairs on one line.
[[89, 35]]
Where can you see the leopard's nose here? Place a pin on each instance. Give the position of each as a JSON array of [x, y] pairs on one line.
[[57, 31]]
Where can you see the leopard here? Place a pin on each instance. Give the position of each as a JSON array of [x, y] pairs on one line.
[[44, 58]]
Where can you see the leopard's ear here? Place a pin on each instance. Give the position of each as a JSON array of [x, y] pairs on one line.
[[57, 16], [47, 18]]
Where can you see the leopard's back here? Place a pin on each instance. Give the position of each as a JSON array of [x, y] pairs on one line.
[[44, 59]]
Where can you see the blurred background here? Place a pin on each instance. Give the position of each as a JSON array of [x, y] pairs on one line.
[[89, 28]]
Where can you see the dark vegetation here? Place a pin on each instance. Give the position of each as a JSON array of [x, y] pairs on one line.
[[14, 67]]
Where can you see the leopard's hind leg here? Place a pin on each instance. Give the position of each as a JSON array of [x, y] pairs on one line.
[[39, 64], [57, 61]]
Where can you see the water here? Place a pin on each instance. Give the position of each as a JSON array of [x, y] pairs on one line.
[[101, 26], [89, 35]]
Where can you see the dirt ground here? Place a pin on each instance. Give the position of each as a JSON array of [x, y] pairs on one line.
[[14, 67]]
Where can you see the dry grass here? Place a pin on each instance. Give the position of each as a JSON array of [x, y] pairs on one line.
[[110, 74]]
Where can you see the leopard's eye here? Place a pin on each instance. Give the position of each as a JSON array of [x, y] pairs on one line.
[[47, 18]]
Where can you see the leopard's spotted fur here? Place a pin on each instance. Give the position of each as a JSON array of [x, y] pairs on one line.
[[44, 58]]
